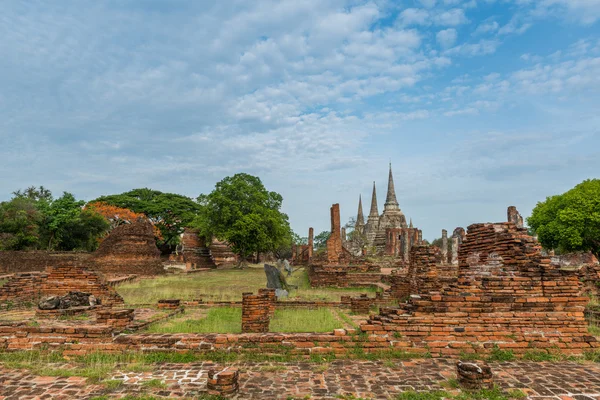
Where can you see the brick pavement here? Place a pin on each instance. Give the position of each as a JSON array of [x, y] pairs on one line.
[[362, 379]]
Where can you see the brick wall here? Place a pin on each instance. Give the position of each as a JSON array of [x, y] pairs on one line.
[[58, 281], [29, 261]]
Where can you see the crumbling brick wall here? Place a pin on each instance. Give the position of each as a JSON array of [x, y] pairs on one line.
[[129, 249], [507, 295], [29, 261], [58, 281]]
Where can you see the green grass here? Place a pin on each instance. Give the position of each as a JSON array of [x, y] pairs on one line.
[[498, 354], [304, 320], [484, 394], [3, 281], [224, 285], [594, 330], [218, 320], [229, 320], [154, 383]]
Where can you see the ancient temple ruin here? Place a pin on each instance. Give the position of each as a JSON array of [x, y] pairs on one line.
[[388, 233]]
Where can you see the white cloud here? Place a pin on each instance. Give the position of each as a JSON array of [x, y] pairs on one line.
[[414, 16], [486, 27], [452, 17], [428, 3], [447, 37]]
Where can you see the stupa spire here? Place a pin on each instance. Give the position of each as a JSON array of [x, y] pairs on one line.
[[391, 193], [374, 211], [360, 218]]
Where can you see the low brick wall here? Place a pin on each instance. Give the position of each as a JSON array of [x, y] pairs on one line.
[[30, 261], [115, 318], [53, 314], [325, 276]]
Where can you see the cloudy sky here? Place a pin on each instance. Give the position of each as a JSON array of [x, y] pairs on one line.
[[478, 104]]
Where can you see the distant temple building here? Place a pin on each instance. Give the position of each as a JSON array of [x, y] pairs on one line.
[[387, 233]]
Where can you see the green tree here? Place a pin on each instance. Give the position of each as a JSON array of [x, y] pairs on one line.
[[169, 212], [67, 226], [19, 224], [321, 239], [243, 212], [570, 221]]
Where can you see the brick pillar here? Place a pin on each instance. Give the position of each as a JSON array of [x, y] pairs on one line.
[[406, 245], [255, 313], [361, 304], [343, 234], [474, 375], [514, 216], [271, 299], [223, 382], [420, 237], [444, 246], [334, 243], [311, 243], [454, 260]]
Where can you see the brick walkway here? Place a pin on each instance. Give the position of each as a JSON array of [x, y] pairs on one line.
[[370, 380]]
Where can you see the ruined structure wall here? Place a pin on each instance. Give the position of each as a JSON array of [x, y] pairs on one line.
[[58, 281], [506, 295], [29, 261], [129, 249]]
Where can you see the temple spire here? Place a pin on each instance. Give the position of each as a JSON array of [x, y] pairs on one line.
[[391, 193], [360, 218], [374, 211], [411, 224]]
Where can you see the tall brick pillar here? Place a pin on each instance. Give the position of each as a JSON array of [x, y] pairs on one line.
[[256, 309], [311, 243], [444, 246], [334, 243]]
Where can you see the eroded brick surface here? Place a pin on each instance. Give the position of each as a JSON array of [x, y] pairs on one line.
[[539, 381]]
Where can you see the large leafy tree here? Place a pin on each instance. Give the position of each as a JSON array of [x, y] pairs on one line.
[[33, 219], [169, 212], [570, 221], [243, 212], [19, 224]]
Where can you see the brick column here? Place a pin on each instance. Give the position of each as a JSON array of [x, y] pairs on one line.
[[255, 313], [474, 376], [271, 298], [444, 246], [223, 382]]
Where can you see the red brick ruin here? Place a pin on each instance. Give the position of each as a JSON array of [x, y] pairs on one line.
[[334, 243], [129, 249], [58, 281], [505, 293]]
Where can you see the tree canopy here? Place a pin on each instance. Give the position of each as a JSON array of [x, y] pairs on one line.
[[570, 221], [243, 212], [33, 219], [169, 212]]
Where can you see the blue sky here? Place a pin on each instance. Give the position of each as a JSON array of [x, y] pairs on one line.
[[478, 104]]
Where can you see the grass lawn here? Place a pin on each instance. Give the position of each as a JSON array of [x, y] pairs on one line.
[[229, 320], [223, 285]]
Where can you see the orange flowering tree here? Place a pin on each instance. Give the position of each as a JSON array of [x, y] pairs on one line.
[[118, 215]]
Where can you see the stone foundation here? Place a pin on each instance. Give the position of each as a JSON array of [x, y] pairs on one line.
[[171, 304], [115, 318]]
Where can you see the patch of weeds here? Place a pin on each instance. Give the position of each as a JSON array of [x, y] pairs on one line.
[[434, 395], [389, 363], [397, 335], [539, 356], [516, 394], [112, 384], [593, 356], [451, 383], [154, 383], [498, 354], [594, 330], [273, 368], [320, 368]]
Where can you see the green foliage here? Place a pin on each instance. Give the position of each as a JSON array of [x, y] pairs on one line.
[[497, 354], [241, 211], [32, 219], [19, 224], [170, 212], [320, 240], [570, 221]]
